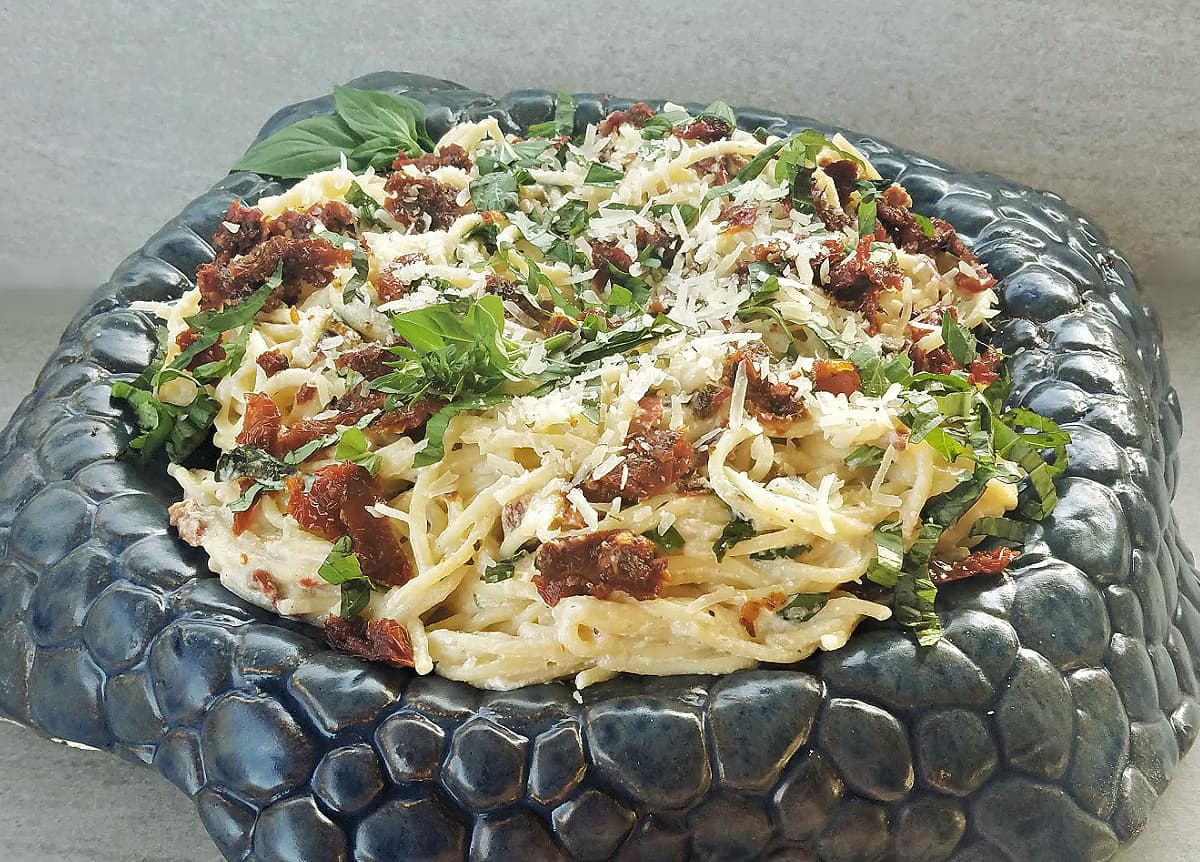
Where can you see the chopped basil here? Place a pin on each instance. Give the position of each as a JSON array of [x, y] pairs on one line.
[[353, 447], [960, 343], [802, 607], [503, 570], [571, 218], [866, 217], [662, 123], [342, 568], [435, 428], [538, 235], [737, 530], [669, 539], [721, 111], [916, 593], [495, 191], [752, 169], [865, 455], [1000, 528], [602, 175], [788, 552], [925, 224], [889, 554], [366, 205], [564, 114]]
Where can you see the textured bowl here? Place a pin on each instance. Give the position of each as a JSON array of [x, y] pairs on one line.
[[1041, 729]]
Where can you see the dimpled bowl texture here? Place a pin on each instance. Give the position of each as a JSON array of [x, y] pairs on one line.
[[1042, 728]]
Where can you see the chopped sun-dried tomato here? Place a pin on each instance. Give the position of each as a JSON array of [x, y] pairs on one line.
[[991, 562], [377, 640], [599, 564], [189, 337], [651, 462], [411, 200], [272, 362], [706, 129], [636, 115], [336, 505], [983, 370]]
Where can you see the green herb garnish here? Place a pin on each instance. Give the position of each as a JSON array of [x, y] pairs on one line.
[[737, 530], [369, 128], [342, 568], [669, 539]]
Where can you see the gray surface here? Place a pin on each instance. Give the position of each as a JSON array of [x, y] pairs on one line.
[[115, 116]]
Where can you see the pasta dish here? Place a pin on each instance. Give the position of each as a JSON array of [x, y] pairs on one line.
[[655, 395]]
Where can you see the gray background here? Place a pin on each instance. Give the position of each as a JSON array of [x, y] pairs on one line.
[[115, 114]]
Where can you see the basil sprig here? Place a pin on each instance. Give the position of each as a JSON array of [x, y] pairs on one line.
[[368, 127]]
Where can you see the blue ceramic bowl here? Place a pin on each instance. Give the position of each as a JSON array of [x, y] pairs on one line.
[[1041, 729]]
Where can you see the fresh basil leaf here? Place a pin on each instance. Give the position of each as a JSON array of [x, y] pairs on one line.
[[496, 191], [435, 428], [258, 464], [538, 235], [341, 565], [669, 540], [564, 114], [210, 325], [303, 148], [737, 530], [374, 114], [865, 455], [866, 217], [925, 224], [752, 169], [788, 552], [960, 343], [721, 111], [602, 175], [366, 205], [353, 446], [802, 607], [356, 596], [885, 568]]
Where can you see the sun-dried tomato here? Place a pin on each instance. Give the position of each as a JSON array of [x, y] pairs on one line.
[[415, 200], [706, 129], [377, 640], [370, 360], [599, 564], [983, 370], [272, 362], [448, 156], [336, 505], [261, 423], [607, 254], [651, 462], [189, 337], [636, 115], [738, 216], [991, 562]]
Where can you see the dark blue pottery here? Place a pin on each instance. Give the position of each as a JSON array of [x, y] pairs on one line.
[[1041, 729]]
